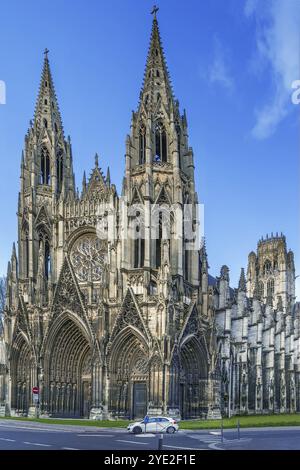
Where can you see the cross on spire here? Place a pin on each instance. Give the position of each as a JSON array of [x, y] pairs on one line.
[[46, 51], [154, 11]]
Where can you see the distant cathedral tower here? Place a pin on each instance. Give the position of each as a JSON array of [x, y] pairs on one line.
[[271, 272]]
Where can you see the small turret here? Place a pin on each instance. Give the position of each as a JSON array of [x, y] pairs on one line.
[[84, 184], [242, 281], [108, 177]]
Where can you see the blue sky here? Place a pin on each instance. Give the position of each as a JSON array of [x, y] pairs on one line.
[[231, 63]]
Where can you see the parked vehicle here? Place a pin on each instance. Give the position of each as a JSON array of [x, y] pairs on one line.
[[155, 425]]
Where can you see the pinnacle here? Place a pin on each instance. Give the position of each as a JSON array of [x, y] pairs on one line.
[[242, 281]]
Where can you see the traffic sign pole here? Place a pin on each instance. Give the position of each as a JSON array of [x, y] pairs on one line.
[[36, 397]]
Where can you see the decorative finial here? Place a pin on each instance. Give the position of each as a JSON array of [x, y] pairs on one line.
[[46, 51], [97, 160], [154, 11]]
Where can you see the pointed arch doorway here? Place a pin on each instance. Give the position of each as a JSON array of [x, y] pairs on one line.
[[129, 373], [23, 375], [193, 378], [67, 388]]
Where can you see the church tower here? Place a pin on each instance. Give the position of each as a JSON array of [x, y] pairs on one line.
[[46, 177], [159, 186], [271, 272]]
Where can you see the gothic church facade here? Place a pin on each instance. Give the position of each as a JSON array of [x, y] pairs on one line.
[[110, 320]]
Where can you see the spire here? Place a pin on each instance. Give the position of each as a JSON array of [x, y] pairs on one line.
[[242, 281], [47, 114], [8, 269], [157, 83], [84, 183], [108, 177], [204, 258]]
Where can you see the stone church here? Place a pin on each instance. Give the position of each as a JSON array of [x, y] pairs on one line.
[[110, 308]]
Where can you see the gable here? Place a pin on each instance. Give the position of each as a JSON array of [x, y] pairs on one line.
[[191, 324], [42, 217], [96, 183], [136, 196], [22, 321], [163, 197], [129, 316], [67, 294]]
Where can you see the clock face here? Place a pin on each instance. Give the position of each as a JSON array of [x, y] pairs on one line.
[[88, 257]]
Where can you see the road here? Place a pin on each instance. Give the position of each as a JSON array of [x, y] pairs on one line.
[[24, 435]]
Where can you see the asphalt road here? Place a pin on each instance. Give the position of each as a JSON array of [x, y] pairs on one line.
[[22, 435]]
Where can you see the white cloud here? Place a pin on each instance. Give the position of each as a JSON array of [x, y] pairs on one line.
[[277, 42], [219, 71]]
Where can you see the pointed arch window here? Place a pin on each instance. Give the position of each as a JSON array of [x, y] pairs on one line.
[[44, 249], [45, 122], [45, 167], [47, 259], [139, 248], [270, 288], [160, 143], [178, 132], [186, 264], [267, 267], [59, 169], [158, 241], [142, 145], [27, 253]]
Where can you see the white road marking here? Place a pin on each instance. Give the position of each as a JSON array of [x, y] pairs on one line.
[[8, 440], [68, 448], [145, 435], [132, 442], [184, 448], [95, 435], [214, 446], [35, 428], [37, 444]]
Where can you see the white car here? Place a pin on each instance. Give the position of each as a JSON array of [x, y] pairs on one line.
[[155, 425]]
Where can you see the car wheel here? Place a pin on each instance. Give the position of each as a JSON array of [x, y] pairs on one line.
[[137, 430], [171, 430]]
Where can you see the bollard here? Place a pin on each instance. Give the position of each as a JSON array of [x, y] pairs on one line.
[[160, 442], [238, 429]]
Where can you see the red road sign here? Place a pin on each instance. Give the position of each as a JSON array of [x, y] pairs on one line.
[[35, 390]]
